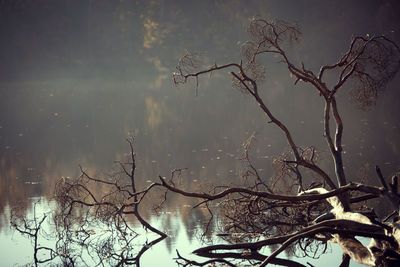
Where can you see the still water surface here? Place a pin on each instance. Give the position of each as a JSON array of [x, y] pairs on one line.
[[17, 250], [64, 124], [78, 77]]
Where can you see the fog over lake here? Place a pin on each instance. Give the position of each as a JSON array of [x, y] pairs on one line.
[[78, 77]]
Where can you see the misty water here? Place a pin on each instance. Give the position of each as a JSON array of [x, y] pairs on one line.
[[79, 77]]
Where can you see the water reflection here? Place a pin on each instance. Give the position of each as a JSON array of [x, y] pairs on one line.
[[182, 227], [90, 242]]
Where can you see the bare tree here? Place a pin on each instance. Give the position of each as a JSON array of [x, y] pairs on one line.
[[304, 216], [82, 209], [94, 221], [263, 217]]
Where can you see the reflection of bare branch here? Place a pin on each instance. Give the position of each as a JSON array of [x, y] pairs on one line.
[[32, 228], [185, 262]]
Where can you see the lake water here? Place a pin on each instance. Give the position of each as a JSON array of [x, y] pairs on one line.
[[79, 77], [17, 250], [60, 125], [63, 124]]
